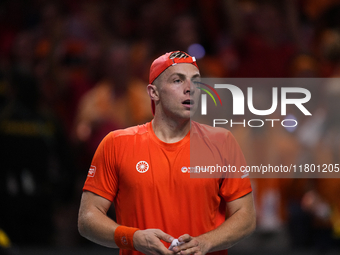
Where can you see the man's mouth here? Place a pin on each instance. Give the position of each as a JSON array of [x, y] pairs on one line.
[[188, 102]]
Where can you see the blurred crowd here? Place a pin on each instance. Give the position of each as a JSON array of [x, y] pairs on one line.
[[72, 71]]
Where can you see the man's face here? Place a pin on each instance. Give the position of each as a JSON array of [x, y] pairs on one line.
[[178, 95]]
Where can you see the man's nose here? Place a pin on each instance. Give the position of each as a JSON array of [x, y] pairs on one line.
[[190, 87]]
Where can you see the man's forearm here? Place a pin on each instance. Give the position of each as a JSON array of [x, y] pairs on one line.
[[93, 223], [238, 226], [97, 228]]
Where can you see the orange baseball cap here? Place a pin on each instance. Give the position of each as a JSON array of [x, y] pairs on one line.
[[160, 64]]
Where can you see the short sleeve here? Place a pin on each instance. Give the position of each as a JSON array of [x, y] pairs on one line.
[[236, 184], [102, 178]]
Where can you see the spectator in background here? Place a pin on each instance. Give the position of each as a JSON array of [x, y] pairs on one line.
[[326, 43], [261, 39], [36, 167], [117, 101]]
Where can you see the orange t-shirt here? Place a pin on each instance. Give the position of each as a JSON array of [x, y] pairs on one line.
[[149, 182]]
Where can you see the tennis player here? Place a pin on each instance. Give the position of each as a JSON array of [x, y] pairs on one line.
[[145, 171]]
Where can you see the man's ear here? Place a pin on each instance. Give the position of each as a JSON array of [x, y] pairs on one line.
[[153, 92]]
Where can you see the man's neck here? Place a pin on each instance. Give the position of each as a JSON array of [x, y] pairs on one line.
[[170, 131]]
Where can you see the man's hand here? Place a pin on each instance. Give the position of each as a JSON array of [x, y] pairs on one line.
[[192, 245], [149, 242], [240, 223]]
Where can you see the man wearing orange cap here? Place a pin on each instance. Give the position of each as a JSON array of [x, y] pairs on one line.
[[143, 170]]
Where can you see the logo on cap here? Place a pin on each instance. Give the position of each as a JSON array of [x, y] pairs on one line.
[[178, 54]]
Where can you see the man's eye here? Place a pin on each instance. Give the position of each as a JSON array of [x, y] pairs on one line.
[[177, 81]]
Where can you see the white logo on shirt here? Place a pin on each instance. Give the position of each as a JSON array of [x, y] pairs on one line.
[[188, 169], [142, 166], [184, 169], [92, 171]]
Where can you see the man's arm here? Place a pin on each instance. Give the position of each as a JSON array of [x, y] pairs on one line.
[[95, 225], [241, 223]]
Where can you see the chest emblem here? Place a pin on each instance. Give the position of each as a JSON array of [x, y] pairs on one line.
[[142, 166]]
